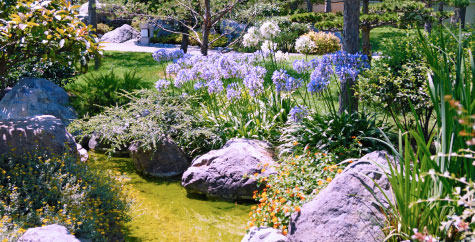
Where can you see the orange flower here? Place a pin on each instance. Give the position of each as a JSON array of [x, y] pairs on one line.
[[295, 143], [286, 209], [282, 200], [353, 137], [274, 219], [297, 209], [320, 182], [263, 170], [339, 171], [250, 214], [329, 179], [251, 224], [350, 161], [284, 232]]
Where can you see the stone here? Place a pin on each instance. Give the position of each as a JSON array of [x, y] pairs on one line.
[[50, 233], [231, 29], [264, 234], [121, 34], [167, 160], [84, 156], [36, 96], [221, 174], [41, 134], [346, 210], [96, 144]]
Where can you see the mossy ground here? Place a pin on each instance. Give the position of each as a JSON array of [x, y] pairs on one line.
[[164, 211]]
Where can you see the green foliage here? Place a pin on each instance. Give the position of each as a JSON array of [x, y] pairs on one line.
[[167, 39], [54, 71], [37, 190], [47, 30], [289, 32], [422, 198], [297, 181], [219, 41], [314, 17], [103, 28], [345, 135], [103, 90], [146, 119]]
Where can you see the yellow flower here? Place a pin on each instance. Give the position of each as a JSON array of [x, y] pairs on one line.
[[329, 179], [320, 182], [295, 143], [339, 171]]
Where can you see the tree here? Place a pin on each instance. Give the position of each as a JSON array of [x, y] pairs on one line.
[[309, 6], [92, 14], [204, 15], [43, 31], [460, 9], [351, 26], [328, 6], [390, 13]]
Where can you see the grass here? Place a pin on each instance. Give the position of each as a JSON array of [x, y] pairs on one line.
[[120, 62], [379, 35]]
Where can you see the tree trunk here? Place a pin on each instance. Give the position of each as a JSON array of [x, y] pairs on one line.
[[459, 16], [309, 6], [351, 15], [205, 40], [185, 41], [428, 23], [365, 32], [328, 6], [294, 5], [441, 9], [92, 15], [92, 20]]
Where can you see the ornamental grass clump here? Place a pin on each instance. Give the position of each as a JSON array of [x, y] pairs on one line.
[[36, 190]]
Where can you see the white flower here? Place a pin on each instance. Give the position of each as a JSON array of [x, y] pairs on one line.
[[281, 56], [304, 45], [251, 38], [269, 30], [268, 47]]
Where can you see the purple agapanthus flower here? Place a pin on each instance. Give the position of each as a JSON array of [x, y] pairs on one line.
[[298, 113], [162, 84], [233, 92], [279, 78]]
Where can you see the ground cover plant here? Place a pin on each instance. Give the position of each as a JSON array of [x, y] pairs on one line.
[[36, 190]]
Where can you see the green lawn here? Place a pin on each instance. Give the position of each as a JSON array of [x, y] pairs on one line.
[[379, 35], [120, 62]]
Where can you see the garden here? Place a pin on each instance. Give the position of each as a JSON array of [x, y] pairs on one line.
[[252, 121]]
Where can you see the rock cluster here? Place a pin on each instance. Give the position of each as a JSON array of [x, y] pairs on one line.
[[53, 232], [227, 173], [121, 34]]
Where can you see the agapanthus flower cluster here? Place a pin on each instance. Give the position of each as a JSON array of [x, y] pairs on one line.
[[254, 80], [269, 30], [215, 86], [251, 38], [233, 92], [301, 66], [162, 84], [348, 66], [321, 76], [281, 56], [304, 45], [285, 82], [298, 113], [268, 47], [163, 55]]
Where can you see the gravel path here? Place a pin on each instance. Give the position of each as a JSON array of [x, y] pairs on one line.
[[134, 46]]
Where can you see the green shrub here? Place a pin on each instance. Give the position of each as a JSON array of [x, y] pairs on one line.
[[313, 17], [104, 90], [43, 31], [37, 190], [146, 119], [103, 28], [167, 39], [221, 42], [345, 135], [59, 73]]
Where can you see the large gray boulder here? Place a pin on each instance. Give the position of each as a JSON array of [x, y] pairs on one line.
[[231, 29], [50, 233], [222, 173], [38, 135], [36, 96], [264, 234], [121, 34], [166, 160], [345, 210]]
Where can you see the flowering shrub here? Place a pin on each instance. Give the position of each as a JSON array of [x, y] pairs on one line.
[[297, 180], [37, 190], [317, 43], [50, 28]]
